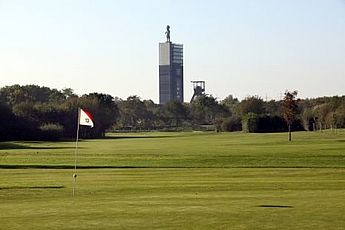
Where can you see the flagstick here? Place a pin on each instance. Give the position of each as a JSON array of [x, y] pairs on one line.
[[76, 155]]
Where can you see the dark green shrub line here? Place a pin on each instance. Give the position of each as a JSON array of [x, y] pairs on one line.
[[32, 112]]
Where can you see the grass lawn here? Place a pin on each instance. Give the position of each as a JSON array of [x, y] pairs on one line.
[[176, 181]]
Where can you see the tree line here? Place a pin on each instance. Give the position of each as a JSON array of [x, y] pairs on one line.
[[33, 112]]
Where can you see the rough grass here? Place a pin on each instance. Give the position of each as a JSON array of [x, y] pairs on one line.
[[176, 181]]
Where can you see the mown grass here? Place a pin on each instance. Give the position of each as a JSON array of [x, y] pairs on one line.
[[185, 150], [176, 181]]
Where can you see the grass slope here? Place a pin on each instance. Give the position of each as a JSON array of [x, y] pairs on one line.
[[176, 181]]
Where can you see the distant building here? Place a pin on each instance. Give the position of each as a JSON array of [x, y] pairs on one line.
[[170, 71]]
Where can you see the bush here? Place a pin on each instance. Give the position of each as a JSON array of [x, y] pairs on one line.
[[270, 124], [340, 117], [253, 123], [231, 124], [249, 122], [51, 131]]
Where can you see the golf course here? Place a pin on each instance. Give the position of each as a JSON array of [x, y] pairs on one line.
[[176, 180]]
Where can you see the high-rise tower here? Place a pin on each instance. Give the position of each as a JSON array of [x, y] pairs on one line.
[[170, 71]]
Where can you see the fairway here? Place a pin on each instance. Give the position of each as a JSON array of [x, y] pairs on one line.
[[176, 181]]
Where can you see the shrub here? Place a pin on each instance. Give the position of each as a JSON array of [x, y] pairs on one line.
[[231, 124], [249, 122], [51, 131]]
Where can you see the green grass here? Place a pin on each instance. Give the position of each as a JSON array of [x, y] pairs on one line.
[[176, 181]]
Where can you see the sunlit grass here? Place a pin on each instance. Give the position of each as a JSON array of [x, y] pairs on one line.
[[176, 181]]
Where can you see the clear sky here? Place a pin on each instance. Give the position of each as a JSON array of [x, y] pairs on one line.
[[239, 47]]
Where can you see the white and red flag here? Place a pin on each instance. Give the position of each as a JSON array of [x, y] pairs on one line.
[[85, 118]]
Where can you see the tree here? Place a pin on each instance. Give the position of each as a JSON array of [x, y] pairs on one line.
[[134, 113], [290, 109], [253, 104], [340, 116], [68, 92], [231, 124], [307, 117], [7, 122], [271, 108], [176, 111], [323, 114], [206, 110], [249, 122], [104, 111], [231, 104], [232, 121]]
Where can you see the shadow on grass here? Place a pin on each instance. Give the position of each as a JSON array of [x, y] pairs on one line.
[[8, 146], [274, 206], [173, 135], [155, 167], [32, 187], [67, 167], [135, 137]]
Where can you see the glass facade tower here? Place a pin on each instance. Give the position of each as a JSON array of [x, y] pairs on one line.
[[170, 72]]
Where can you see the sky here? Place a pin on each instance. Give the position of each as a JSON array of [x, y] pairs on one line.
[[239, 47]]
